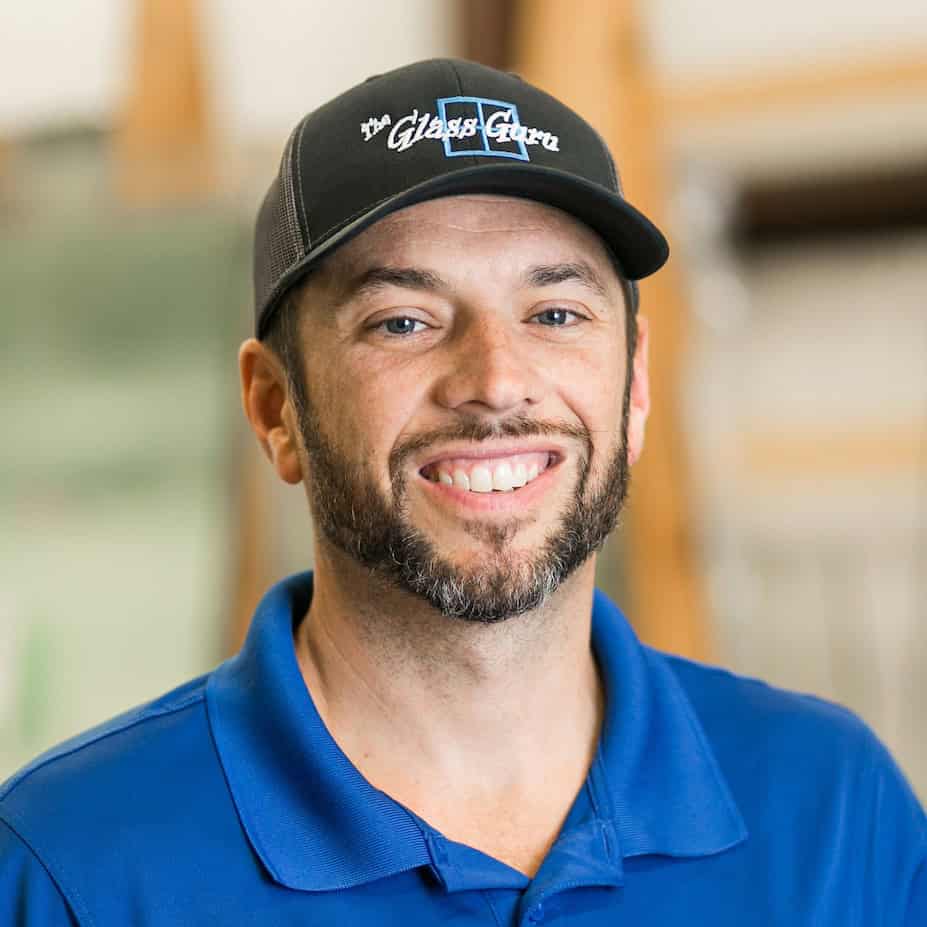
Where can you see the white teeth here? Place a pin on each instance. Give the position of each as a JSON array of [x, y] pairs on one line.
[[502, 478], [480, 480]]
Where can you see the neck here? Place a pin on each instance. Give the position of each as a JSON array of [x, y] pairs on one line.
[[492, 713]]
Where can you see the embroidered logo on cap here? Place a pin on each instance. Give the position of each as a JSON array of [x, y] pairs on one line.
[[465, 126]]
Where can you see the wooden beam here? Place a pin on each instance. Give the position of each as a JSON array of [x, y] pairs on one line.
[[884, 450], [252, 575], [163, 143], [828, 206], [485, 29], [571, 55], [899, 73], [5, 158], [595, 61]]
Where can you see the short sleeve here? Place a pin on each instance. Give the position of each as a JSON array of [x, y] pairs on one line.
[[28, 894], [917, 902], [895, 845]]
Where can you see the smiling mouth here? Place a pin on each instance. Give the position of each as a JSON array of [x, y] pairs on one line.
[[485, 475]]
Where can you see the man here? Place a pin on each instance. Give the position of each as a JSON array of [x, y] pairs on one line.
[[444, 724]]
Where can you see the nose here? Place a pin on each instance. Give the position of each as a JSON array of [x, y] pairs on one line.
[[490, 370]]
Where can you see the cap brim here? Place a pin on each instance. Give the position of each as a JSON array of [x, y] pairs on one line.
[[638, 245]]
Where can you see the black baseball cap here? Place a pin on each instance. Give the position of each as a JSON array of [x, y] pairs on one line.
[[436, 128]]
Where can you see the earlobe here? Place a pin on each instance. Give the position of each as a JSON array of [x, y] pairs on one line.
[[284, 455], [639, 399], [265, 401]]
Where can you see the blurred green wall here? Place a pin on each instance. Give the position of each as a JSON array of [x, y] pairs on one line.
[[118, 331]]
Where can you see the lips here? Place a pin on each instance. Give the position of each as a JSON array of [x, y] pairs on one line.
[[488, 474]]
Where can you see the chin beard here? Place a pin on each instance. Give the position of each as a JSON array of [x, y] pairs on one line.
[[356, 518]]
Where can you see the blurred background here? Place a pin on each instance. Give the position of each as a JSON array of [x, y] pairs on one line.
[[778, 521]]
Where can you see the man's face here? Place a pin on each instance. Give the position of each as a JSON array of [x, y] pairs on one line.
[[464, 414]]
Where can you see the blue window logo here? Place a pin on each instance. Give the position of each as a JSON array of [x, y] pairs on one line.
[[477, 126]]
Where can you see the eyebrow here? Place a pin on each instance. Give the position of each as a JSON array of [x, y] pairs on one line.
[[579, 271], [380, 277]]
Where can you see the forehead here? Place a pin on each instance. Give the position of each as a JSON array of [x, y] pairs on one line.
[[499, 229]]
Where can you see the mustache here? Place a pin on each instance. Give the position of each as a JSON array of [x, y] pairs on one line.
[[477, 430]]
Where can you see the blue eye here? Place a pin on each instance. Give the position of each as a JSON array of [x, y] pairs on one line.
[[401, 325], [556, 317]]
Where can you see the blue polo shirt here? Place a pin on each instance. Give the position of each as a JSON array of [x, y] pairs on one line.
[[713, 800]]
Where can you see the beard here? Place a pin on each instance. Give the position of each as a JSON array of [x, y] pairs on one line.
[[354, 516]]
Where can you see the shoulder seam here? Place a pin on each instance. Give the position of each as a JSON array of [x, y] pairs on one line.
[[16, 781], [72, 899], [713, 668], [756, 682]]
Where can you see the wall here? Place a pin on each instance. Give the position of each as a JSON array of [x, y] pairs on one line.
[[268, 63], [693, 39]]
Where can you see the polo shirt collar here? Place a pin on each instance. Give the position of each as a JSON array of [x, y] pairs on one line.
[[317, 824], [666, 792]]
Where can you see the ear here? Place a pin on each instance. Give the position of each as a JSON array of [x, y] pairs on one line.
[[639, 399], [266, 401]]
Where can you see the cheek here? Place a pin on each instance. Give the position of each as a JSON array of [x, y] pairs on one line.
[[594, 386], [595, 397], [365, 416]]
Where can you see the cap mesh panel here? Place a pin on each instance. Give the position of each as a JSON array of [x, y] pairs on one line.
[[278, 240]]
